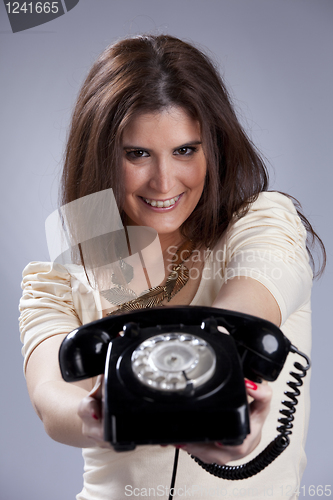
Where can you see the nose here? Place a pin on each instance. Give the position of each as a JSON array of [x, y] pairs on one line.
[[162, 178]]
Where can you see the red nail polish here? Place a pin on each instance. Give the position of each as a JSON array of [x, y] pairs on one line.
[[95, 416], [179, 446], [251, 385]]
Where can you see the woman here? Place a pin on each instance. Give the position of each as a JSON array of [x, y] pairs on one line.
[[154, 122]]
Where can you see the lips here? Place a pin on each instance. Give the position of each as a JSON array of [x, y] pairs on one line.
[[160, 203]]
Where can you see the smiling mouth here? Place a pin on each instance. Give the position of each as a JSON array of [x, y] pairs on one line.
[[160, 203]]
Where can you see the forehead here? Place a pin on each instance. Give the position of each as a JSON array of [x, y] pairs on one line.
[[171, 125]]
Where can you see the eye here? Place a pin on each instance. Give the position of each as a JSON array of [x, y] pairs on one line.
[[185, 151], [136, 153]]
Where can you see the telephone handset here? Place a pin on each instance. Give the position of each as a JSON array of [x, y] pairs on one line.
[[172, 377]]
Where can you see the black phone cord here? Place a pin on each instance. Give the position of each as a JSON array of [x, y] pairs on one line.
[[278, 445], [174, 472]]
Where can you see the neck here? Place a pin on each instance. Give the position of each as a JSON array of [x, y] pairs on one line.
[[170, 240]]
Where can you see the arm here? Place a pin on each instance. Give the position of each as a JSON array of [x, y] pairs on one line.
[[56, 401], [248, 296], [47, 315], [269, 244]]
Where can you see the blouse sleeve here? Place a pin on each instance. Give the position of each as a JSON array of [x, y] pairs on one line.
[[268, 244], [46, 305]]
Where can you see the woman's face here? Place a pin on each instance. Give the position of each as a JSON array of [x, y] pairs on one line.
[[165, 169]]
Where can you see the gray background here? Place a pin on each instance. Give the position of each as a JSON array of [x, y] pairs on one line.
[[277, 59]]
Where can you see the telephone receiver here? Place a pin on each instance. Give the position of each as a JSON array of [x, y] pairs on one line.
[[261, 345], [171, 376]]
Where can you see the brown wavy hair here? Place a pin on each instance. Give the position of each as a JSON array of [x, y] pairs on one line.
[[148, 74]]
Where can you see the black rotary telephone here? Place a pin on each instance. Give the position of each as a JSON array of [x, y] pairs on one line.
[[172, 364]]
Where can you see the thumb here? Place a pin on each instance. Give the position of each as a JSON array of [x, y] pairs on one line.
[[97, 391], [261, 395]]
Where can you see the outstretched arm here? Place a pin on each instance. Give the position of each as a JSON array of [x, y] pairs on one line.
[[56, 401]]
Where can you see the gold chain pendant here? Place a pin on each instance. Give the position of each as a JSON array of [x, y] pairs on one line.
[[153, 297]]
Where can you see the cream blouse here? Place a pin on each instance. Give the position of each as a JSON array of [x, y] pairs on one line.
[[267, 244]]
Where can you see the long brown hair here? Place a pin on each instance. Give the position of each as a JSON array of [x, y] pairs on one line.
[[147, 74]]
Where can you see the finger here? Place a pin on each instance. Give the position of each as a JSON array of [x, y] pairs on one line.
[[97, 391], [89, 408], [261, 395], [92, 424]]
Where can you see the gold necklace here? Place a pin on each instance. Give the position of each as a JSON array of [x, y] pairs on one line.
[[153, 297]]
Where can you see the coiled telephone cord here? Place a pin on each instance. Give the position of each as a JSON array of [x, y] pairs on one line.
[[279, 444], [276, 447]]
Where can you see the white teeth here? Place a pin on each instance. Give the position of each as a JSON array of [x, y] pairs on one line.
[[162, 204]]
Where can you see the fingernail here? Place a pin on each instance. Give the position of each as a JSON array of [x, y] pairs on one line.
[[179, 445], [219, 444], [251, 385], [95, 416]]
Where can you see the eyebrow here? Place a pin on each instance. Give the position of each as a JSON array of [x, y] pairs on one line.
[[186, 145]]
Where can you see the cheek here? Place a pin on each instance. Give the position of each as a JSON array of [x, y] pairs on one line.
[[135, 176], [198, 177], [128, 184], [131, 180]]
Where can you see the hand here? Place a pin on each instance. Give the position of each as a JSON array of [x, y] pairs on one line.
[[91, 414], [220, 454]]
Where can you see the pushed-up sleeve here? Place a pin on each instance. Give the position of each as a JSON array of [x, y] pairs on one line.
[[268, 244], [46, 305]]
